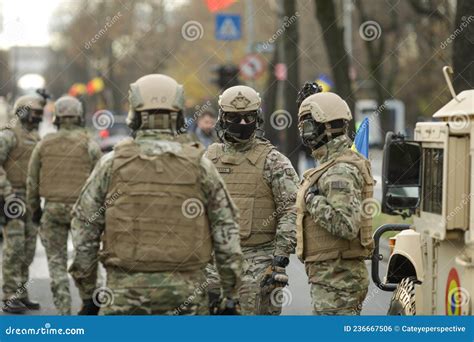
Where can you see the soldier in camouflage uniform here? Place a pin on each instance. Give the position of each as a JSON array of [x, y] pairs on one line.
[[58, 168], [17, 141], [160, 208], [263, 184], [334, 234]]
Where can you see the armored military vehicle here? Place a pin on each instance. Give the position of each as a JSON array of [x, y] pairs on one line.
[[431, 178]]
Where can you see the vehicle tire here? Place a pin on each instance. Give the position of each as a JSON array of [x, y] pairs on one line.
[[403, 299]]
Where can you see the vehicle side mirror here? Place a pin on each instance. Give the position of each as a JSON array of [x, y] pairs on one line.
[[401, 175]]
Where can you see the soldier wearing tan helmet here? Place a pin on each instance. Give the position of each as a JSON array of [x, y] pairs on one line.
[[58, 168], [263, 185], [160, 209], [17, 141], [334, 235]]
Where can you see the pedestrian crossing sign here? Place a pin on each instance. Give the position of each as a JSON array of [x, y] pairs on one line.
[[228, 27]]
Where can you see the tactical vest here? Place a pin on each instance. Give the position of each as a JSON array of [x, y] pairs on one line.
[[315, 243], [65, 166], [155, 219], [16, 165], [243, 176]]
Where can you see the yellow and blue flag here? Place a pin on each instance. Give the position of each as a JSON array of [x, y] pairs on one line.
[[361, 141]]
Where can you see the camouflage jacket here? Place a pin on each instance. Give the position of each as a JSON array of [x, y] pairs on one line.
[[8, 141], [220, 210], [34, 167], [336, 207], [282, 178]]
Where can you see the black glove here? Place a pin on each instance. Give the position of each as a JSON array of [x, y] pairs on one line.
[[88, 308], [275, 276], [214, 301], [36, 217], [312, 191], [226, 307], [308, 89]]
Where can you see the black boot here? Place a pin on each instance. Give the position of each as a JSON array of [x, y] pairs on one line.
[[14, 306], [30, 305]]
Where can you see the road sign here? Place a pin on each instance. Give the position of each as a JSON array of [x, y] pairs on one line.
[[228, 27], [281, 72], [252, 67]]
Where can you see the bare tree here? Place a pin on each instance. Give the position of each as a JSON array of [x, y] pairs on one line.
[[463, 46]]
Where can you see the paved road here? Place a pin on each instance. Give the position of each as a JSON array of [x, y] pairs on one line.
[[299, 301]]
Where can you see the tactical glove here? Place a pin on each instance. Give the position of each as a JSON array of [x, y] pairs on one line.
[[88, 308], [226, 307], [312, 192], [308, 89], [275, 275]]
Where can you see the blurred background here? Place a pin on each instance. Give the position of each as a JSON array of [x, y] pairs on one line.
[[383, 57]]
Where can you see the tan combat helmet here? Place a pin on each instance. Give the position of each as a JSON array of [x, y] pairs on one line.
[[239, 99], [25, 103], [324, 108], [68, 107], [155, 102]]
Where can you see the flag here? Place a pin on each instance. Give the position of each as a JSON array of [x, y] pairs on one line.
[[217, 5], [361, 141], [325, 82]]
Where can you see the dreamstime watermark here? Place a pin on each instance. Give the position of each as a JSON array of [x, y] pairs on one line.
[[192, 30], [464, 202], [22, 289], [464, 24], [458, 297], [108, 202], [370, 30], [192, 208], [109, 22], [370, 207], [14, 207], [280, 119], [198, 291], [102, 297], [287, 201], [103, 119], [287, 22], [199, 111], [281, 297], [46, 330]]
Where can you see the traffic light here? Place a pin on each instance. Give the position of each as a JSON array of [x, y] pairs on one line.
[[227, 75]]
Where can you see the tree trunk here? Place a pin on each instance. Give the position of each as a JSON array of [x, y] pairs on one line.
[[333, 35], [292, 85], [463, 46]]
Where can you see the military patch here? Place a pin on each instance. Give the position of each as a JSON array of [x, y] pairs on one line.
[[338, 185], [224, 170]]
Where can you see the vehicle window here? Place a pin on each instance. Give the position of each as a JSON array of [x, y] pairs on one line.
[[432, 179]]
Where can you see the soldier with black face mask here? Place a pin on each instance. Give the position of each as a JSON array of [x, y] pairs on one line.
[[263, 184]]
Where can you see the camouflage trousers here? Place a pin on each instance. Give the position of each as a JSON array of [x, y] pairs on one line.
[[19, 246], [338, 287], [161, 293], [256, 261], [55, 226]]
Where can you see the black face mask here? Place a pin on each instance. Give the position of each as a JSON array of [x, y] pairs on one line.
[[240, 131]]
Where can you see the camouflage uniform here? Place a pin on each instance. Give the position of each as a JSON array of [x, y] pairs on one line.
[[280, 176], [56, 219], [19, 235], [154, 292], [338, 286]]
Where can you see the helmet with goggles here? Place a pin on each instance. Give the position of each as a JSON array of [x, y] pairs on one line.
[[239, 114], [322, 117]]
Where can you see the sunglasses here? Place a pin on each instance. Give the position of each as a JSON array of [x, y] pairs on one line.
[[248, 117]]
